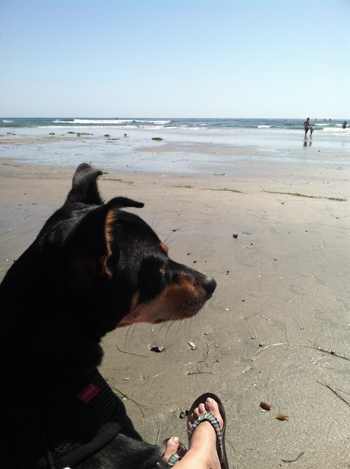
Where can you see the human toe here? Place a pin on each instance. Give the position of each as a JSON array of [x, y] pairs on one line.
[[212, 406], [173, 447]]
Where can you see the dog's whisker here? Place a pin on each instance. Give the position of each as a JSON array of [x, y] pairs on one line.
[[130, 332], [169, 324], [169, 239], [155, 224]]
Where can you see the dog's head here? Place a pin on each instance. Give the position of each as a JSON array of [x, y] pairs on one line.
[[93, 267], [114, 264]]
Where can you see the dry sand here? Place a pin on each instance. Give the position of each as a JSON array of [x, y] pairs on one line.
[[277, 329]]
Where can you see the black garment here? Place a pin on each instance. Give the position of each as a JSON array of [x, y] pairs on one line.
[[58, 429]]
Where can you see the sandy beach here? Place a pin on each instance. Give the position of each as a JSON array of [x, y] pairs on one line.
[[277, 329]]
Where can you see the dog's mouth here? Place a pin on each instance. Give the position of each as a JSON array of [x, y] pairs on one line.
[[148, 313], [190, 308], [175, 303]]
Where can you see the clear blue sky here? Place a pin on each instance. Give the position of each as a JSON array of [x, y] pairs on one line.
[[175, 58]]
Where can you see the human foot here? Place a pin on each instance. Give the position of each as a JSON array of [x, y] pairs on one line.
[[207, 445], [204, 436], [174, 451], [209, 405]]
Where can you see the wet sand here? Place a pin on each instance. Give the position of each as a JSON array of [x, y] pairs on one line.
[[277, 329]]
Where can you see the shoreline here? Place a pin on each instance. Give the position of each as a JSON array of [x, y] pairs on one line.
[[180, 153], [280, 308]]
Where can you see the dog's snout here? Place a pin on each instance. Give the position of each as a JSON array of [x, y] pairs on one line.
[[209, 284]]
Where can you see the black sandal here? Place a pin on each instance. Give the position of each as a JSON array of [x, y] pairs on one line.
[[209, 417]]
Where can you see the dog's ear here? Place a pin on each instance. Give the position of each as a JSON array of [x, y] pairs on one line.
[[84, 185], [87, 249]]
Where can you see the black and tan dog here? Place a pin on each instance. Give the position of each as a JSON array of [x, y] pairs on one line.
[[92, 268]]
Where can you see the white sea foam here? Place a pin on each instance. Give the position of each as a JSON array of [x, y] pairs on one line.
[[149, 121], [71, 127], [117, 122], [145, 127], [339, 130], [114, 121], [100, 121], [264, 126]]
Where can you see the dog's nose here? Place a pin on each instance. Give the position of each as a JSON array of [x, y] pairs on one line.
[[209, 284]]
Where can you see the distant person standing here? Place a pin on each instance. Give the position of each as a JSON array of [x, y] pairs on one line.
[[345, 124], [311, 130], [307, 125]]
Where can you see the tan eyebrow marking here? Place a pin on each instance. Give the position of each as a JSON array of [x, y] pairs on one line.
[[165, 249]]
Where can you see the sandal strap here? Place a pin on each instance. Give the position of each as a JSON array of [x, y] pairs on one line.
[[209, 417], [174, 458]]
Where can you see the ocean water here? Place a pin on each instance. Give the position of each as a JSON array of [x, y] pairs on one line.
[[184, 146], [263, 126]]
